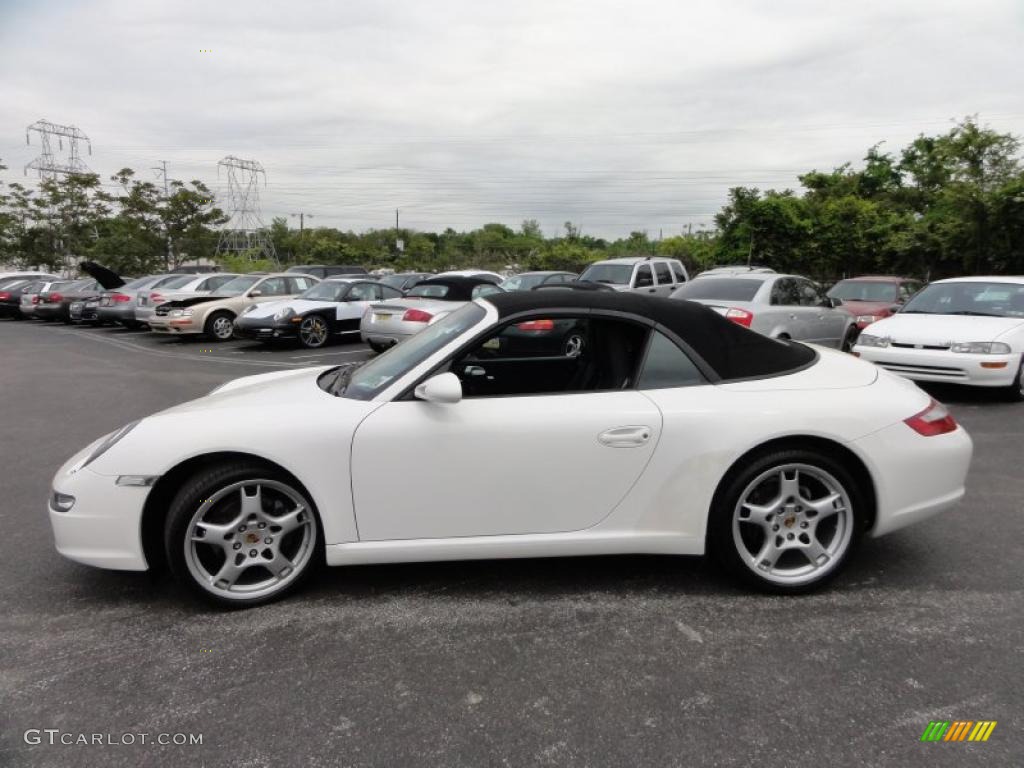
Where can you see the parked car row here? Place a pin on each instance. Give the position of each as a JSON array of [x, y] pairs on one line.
[[963, 330]]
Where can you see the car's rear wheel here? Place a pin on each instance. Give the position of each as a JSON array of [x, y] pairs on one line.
[[313, 332], [787, 521], [242, 534], [219, 326]]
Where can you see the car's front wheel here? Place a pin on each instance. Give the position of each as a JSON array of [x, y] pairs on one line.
[[1015, 392], [220, 326], [787, 520], [313, 332], [242, 534]]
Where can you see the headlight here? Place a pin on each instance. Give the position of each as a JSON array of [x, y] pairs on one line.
[[108, 443], [867, 318], [981, 347], [867, 340], [181, 312], [284, 314]]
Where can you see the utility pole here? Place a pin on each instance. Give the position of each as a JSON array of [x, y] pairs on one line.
[[396, 222], [302, 226], [169, 256]]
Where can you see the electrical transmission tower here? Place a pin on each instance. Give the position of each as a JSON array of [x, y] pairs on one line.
[[47, 164], [244, 231]]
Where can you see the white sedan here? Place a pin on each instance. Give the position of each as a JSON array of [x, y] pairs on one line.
[[667, 429], [966, 330]]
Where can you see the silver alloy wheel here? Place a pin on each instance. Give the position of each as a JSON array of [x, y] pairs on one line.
[[222, 327], [793, 524], [573, 345], [250, 539], [313, 331]]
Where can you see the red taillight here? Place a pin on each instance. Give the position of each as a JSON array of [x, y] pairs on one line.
[[53, 298], [4, 295], [740, 316], [35, 299], [536, 325], [120, 297], [933, 420], [156, 297], [416, 316]]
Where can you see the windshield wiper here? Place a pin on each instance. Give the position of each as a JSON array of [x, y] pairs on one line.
[[340, 378], [972, 312], [914, 312]]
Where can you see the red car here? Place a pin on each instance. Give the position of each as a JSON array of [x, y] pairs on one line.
[[873, 297]]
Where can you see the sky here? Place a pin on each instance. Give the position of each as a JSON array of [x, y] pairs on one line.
[[617, 116]]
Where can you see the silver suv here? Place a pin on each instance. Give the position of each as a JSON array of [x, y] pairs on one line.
[[643, 274]]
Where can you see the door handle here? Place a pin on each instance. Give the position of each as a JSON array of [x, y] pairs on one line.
[[625, 437], [651, 290], [474, 370]]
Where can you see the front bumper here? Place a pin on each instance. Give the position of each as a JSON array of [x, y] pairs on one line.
[[944, 366], [915, 477], [104, 526], [174, 326], [265, 329]]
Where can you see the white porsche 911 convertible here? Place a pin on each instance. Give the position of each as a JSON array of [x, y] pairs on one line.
[[639, 425]]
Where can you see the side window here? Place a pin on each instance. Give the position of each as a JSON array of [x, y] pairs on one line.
[[785, 293], [809, 294], [299, 284], [907, 290], [666, 365], [387, 292], [274, 286], [677, 270], [544, 355], [662, 272], [643, 276]]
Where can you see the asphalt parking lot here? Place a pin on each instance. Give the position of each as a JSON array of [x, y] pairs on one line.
[[591, 661]]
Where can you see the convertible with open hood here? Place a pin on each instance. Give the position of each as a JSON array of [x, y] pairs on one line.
[[664, 428]]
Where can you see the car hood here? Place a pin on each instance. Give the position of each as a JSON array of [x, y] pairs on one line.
[[940, 329], [276, 415], [867, 307], [301, 306], [105, 277]]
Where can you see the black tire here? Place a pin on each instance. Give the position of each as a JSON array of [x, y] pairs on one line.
[[314, 332], [214, 326], [1015, 392], [849, 339], [131, 325], [183, 519], [378, 348], [789, 522]]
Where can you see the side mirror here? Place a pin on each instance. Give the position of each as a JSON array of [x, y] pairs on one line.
[[255, 292], [831, 303], [443, 388]]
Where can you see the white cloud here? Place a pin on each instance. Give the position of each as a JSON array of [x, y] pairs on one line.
[[617, 115]]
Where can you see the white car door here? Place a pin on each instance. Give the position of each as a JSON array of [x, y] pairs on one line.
[[517, 464], [350, 311]]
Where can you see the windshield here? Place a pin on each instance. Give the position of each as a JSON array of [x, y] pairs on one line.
[[176, 282], [864, 290], [615, 274], [236, 286], [523, 282], [428, 291], [325, 291], [720, 288], [969, 298], [370, 380]]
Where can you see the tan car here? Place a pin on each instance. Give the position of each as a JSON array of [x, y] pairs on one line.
[[214, 314]]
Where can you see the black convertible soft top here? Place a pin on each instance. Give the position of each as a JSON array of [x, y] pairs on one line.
[[730, 350], [460, 287]]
